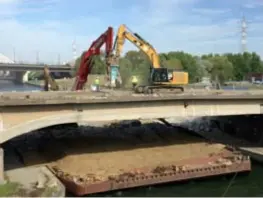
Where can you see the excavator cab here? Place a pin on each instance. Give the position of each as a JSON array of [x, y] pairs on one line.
[[168, 77], [159, 75]]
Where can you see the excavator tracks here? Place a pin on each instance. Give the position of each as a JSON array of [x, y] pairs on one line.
[[150, 89]]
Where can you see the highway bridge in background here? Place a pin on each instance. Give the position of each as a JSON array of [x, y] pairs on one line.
[[33, 67]]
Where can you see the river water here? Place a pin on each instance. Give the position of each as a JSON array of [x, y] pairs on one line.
[[240, 186], [6, 86]]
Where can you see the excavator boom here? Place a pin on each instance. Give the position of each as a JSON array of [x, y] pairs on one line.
[[86, 63], [139, 42]]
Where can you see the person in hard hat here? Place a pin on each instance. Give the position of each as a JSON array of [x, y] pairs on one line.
[[134, 82], [97, 83]]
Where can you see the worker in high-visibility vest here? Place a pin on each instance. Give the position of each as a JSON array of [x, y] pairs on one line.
[[97, 83], [134, 82]]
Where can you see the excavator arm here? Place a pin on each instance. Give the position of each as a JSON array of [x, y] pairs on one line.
[[86, 62], [50, 83], [138, 41]]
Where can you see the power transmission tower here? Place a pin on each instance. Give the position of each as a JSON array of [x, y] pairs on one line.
[[58, 59], [74, 49], [14, 54], [37, 57], [243, 35]]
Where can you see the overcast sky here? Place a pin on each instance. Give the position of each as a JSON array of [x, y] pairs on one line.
[[194, 26]]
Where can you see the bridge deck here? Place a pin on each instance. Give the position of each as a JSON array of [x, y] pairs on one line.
[[68, 97], [54, 108]]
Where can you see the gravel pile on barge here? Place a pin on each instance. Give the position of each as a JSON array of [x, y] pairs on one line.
[[90, 160]]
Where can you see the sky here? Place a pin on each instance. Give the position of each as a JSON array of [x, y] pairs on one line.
[[48, 27]]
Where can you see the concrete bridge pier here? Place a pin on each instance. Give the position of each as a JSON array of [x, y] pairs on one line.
[[2, 177], [21, 76], [16, 76]]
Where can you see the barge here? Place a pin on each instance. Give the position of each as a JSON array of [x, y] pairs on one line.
[[178, 171]]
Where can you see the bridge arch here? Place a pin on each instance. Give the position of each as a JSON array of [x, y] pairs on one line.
[[36, 124]]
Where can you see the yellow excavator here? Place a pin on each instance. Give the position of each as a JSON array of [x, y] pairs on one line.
[[160, 77], [50, 83]]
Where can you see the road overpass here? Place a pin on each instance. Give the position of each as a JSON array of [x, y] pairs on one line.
[[22, 113], [33, 67], [20, 70]]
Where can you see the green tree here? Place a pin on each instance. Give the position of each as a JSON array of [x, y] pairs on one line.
[[125, 71], [173, 64], [222, 69], [140, 65], [204, 68], [98, 64], [255, 63], [244, 64], [189, 64], [163, 57]]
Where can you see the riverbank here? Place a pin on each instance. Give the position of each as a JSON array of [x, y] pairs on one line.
[[32, 182], [28, 181], [37, 83]]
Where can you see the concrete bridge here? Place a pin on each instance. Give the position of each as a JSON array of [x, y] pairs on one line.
[[21, 113], [19, 72]]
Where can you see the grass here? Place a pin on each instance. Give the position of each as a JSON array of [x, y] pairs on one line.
[[11, 189]]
